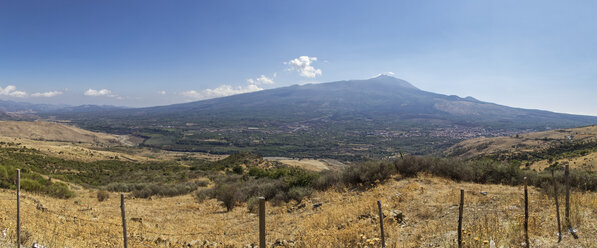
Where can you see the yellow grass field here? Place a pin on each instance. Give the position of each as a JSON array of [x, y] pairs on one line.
[[346, 219]]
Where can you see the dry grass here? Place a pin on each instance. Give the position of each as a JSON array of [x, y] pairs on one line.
[[346, 219], [39, 130], [309, 164], [524, 142], [93, 152], [587, 162]]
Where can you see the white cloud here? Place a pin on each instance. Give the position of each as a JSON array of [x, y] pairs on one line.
[[102, 92], [262, 80], [162, 92], [391, 73], [11, 90], [303, 65], [47, 94], [224, 90]]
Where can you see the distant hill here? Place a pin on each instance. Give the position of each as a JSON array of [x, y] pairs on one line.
[[538, 150], [54, 132], [376, 116], [527, 142], [12, 108]]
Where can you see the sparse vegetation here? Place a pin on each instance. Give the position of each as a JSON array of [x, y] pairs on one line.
[[102, 195]]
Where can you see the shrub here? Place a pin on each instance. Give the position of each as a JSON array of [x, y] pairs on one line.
[[202, 183], [227, 194], [237, 169], [102, 195], [204, 194], [59, 190], [31, 185], [367, 174], [253, 204], [326, 180], [298, 193], [3, 173], [148, 190]]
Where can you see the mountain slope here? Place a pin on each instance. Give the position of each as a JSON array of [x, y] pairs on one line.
[[373, 98], [376, 116]]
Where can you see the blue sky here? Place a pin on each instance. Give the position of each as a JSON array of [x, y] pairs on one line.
[[531, 54]]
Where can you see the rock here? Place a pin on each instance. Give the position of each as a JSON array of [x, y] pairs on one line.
[[363, 216], [484, 193], [36, 245], [397, 215], [491, 244], [282, 243]]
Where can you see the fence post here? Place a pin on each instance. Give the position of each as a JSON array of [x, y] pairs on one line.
[[526, 214], [261, 222], [567, 188], [18, 208], [460, 210], [383, 237], [123, 220], [555, 190]]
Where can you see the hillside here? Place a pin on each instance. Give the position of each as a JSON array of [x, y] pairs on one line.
[[54, 132], [175, 199], [345, 219], [345, 120], [578, 146]]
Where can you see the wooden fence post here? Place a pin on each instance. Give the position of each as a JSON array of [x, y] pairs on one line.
[[18, 208], [261, 222], [383, 238], [122, 209], [567, 188], [526, 214], [555, 190], [460, 210]]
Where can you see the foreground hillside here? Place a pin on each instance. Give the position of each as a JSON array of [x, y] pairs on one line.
[[71, 198], [346, 218]]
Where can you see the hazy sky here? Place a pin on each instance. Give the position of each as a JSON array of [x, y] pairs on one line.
[[531, 54]]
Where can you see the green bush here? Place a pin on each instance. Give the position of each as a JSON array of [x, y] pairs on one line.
[[31, 185], [60, 190], [366, 174]]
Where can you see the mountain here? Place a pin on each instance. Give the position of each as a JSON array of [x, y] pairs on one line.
[[373, 117], [13, 107], [23, 107]]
